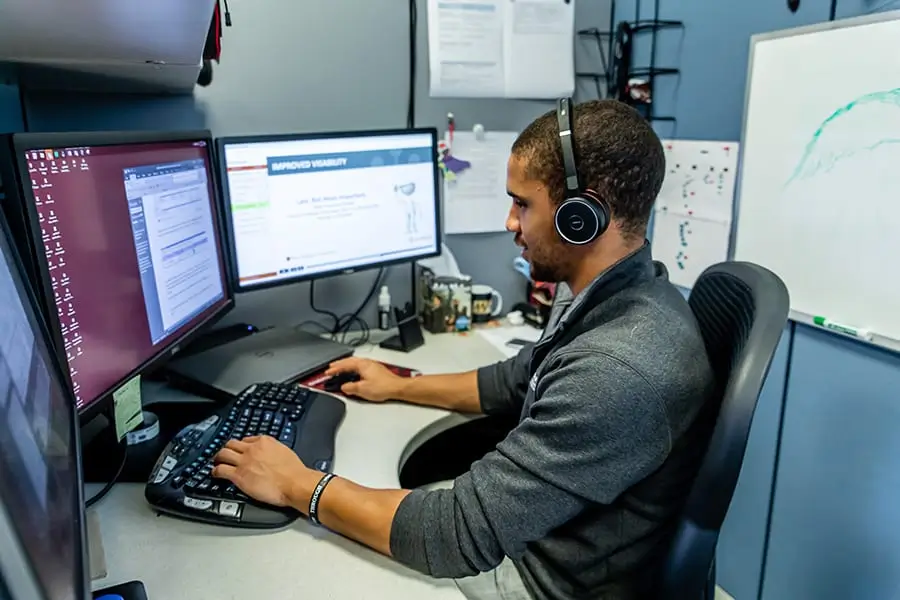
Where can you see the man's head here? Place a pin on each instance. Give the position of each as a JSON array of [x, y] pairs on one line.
[[619, 157]]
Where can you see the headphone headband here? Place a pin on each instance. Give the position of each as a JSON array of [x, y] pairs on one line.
[[583, 215], [566, 142]]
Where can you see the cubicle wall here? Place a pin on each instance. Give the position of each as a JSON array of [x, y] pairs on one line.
[[319, 65], [835, 524]]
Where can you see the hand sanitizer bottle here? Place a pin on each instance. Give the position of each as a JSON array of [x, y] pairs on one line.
[[384, 309]]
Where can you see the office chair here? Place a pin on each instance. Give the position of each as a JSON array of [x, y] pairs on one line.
[[742, 310]]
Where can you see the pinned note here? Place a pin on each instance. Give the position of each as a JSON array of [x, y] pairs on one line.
[[127, 407], [475, 200], [693, 212], [501, 49]]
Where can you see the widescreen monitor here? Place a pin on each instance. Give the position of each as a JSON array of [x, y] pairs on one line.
[[42, 540], [126, 234], [308, 206]]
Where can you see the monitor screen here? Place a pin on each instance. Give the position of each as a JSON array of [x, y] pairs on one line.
[[41, 515], [307, 206], [129, 242]]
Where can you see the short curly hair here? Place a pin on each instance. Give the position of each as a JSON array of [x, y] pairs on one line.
[[619, 156]]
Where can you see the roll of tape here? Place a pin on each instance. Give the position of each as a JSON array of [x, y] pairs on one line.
[[148, 430]]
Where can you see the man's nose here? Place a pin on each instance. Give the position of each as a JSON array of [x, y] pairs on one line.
[[512, 220]]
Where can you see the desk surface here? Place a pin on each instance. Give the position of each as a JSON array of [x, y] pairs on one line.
[[184, 560]]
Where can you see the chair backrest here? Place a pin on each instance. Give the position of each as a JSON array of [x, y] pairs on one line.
[[742, 310]]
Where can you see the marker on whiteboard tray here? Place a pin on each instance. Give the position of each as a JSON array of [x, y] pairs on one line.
[[863, 334]]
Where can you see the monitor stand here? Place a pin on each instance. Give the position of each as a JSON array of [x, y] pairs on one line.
[[281, 355]]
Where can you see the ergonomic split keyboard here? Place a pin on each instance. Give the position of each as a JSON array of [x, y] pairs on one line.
[[181, 482]]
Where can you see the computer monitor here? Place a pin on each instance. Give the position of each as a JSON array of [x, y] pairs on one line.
[[307, 206], [126, 235], [42, 531]]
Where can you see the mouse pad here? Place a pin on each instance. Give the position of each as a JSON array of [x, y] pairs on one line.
[[317, 380]]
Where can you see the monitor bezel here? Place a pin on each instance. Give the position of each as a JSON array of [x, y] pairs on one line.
[[28, 577], [23, 142], [234, 275]]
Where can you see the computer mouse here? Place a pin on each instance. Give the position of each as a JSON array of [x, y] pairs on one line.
[[334, 384]]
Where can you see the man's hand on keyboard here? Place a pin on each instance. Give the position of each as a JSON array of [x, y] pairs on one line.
[[376, 383], [263, 468]]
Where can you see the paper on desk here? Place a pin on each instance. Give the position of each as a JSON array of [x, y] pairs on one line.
[[475, 201], [96, 553], [499, 336], [127, 405], [501, 48]]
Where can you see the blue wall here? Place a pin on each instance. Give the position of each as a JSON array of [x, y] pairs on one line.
[[835, 521]]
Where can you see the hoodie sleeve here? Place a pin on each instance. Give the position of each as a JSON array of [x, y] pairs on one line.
[[502, 386], [538, 479]]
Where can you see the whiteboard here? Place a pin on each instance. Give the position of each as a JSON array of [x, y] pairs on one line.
[[819, 185], [693, 211]]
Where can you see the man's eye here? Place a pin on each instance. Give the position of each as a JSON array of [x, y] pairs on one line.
[[518, 203]]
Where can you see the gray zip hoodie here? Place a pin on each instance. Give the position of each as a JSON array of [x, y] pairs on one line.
[[583, 493]]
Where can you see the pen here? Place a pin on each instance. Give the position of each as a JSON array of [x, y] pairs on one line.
[[845, 329], [451, 125]]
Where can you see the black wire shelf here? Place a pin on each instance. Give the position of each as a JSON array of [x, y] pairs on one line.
[[653, 72], [654, 25]]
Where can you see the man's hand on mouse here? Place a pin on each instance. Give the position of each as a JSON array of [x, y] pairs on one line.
[[264, 469], [376, 382]]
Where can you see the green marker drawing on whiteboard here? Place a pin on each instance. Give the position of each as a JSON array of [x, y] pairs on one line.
[[824, 150]]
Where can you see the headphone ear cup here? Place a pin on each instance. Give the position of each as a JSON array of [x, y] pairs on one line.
[[580, 220], [603, 212]]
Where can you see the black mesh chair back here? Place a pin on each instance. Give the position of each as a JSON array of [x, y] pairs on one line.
[[742, 310]]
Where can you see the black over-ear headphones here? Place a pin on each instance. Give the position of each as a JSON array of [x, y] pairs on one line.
[[583, 215]]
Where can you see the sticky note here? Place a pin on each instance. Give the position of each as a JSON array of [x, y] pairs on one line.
[[127, 404]]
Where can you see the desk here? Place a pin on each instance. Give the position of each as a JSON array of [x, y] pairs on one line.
[[182, 560]]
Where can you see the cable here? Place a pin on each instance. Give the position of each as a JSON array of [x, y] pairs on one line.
[[342, 325], [832, 12], [23, 107], [312, 304], [345, 323], [109, 484], [413, 28], [363, 330], [375, 285], [345, 329], [328, 330]]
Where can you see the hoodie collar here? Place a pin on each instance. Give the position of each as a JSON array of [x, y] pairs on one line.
[[631, 270]]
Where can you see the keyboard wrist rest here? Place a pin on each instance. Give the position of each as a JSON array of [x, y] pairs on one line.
[[318, 430]]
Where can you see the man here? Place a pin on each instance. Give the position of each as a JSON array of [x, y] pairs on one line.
[[578, 501]]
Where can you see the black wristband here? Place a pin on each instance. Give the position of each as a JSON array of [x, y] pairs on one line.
[[316, 496]]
